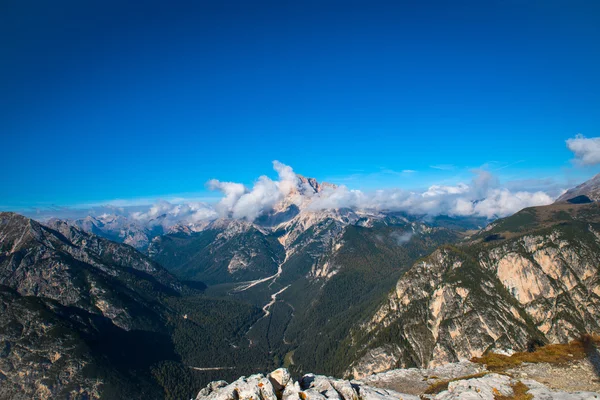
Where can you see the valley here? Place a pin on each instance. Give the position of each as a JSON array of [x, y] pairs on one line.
[[343, 293]]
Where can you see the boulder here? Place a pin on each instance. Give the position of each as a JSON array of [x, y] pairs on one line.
[[280, 379], [254, 387]]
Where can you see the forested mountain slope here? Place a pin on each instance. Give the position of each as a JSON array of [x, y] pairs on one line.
[[84, 317]]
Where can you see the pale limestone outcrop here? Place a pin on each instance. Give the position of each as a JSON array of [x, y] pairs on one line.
[[490, 386], [254, 387], [457, 304], [417, 380], [278, 385], [484, 388]]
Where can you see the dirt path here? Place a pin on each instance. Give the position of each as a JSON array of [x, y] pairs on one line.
[[210, 368]]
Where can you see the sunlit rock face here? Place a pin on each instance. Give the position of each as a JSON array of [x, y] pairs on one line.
[[278, 385], [462, 301]]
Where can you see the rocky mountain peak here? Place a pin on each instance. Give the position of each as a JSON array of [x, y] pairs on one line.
[[16, 231], [314, 184], [589, 188], [61, 262]]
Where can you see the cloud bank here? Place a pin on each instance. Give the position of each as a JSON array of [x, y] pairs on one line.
[[483, 196], [168, 214], [586, 150], [242, 203]]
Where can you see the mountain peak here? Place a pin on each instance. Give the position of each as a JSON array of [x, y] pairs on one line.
[[314, 184], [589, 188], [16, 231]]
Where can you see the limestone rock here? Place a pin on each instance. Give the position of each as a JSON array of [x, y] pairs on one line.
[[478, 388], [318, 387], [460, 302], [280, 379], [542, 392], [417, 380], [369, 393], [254, 387]]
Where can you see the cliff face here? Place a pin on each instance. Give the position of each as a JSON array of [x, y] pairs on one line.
[[37, 351], [78, 314], [498, 291], [81, 270]]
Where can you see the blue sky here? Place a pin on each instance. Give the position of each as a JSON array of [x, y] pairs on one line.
[[105, 101]]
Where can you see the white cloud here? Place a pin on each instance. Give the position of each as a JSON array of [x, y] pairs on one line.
[[243, 203], [586, 150], [483, 196], [168, 214], [232, 192], [401, 238]]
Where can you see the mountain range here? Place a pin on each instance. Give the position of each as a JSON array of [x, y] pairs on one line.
[[113, 306]]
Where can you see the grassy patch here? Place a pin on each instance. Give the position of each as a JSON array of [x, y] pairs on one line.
[[552, 353], [519, 393]]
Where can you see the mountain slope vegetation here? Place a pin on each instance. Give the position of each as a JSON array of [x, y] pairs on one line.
[[533, 276], [90, 318]]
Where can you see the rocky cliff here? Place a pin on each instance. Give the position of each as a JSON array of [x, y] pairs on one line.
[[84, 317], [279, 385], [531, 277], [78, 314], [81, 270]]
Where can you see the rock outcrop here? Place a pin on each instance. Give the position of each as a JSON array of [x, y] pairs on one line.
[[589, 188], [278, 385], [81, 270], [540, 281], [492, 386], [418, 380], [78, 313]]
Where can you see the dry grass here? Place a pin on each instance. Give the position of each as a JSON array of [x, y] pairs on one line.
[[519, 393], [552, 353], [440, 386]]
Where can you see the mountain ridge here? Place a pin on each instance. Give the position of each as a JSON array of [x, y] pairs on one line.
[[541, 283], [589, 188]]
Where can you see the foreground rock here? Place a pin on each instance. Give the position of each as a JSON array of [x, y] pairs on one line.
[[417, 380], [581, 375], [492, 386], [279, 385]]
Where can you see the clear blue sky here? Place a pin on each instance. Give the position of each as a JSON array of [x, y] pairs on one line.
[[100, 100]]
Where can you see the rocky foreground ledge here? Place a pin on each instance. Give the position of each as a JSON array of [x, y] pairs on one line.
[[279, 385]]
